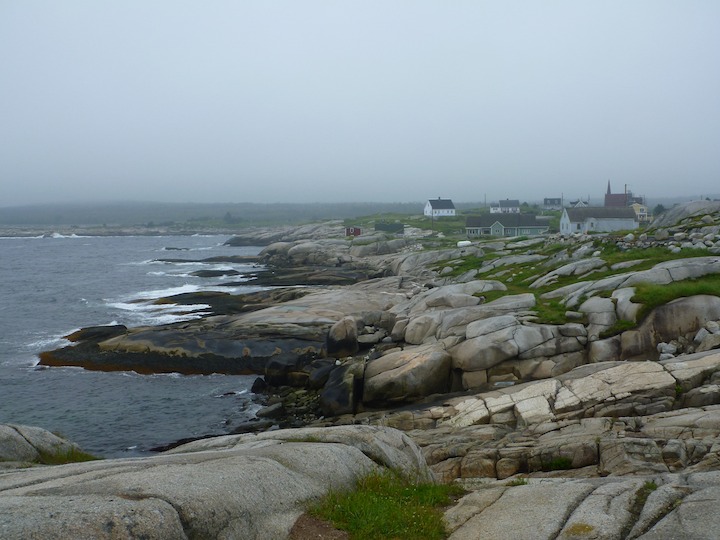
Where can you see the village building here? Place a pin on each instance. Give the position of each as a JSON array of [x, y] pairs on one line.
[[621, 199], [439, 208], [552, 203], [597, 219], [508, 206], [505, 225], [579, 203], [641, 212]]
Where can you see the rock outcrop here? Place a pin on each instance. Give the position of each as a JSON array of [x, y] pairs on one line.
[[242, 486]]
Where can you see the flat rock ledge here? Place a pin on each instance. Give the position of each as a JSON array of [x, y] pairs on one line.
[[240, 486], [661, 507]]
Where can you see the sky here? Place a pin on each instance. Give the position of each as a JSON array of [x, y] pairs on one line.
[[357, 100]]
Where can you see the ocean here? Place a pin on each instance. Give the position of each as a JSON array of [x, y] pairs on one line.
[[51, 286]]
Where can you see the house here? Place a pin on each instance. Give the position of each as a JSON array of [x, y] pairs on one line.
[[597, 219], [508, 206], [504, 225], [439, 208], [353, 231], [392, 228], [552, 203], [578, 204], [641, 212]]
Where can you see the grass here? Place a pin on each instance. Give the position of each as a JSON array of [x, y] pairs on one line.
[[618, 328], [652, 296], [644, 492], [517, 482], [387, 505], [72, 455], [559, 463]]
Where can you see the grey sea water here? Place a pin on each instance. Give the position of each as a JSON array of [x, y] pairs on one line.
[[52, 286]]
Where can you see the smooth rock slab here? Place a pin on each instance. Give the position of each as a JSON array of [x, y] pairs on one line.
[[250, 487], [532, 512]]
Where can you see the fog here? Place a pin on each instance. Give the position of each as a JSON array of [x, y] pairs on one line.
[[300, 101]]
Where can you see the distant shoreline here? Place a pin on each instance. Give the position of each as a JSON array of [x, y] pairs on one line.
[[50, 231]]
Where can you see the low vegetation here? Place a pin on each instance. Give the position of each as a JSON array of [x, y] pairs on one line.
[[518, 277], [61, 457], [387, 505]]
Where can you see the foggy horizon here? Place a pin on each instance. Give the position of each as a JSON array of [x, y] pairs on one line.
[[301, 102]]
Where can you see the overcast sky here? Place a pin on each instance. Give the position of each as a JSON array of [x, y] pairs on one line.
[[392, 100]]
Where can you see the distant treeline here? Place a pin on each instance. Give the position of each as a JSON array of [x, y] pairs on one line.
[[144, 213]]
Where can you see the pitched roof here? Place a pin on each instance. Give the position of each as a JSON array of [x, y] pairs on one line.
[[600, 212], [616, 199], [441, 204], [506, 220], [507, 203]]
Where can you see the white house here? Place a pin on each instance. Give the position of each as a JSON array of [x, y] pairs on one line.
[[439, 208], [508, 206], [597, 219]]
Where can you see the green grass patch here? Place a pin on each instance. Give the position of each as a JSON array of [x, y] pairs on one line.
[[72, 455], [517, 482], [551, 311], [619, 327], [386, 505], [643, 493], [559, 463], [652, 296]]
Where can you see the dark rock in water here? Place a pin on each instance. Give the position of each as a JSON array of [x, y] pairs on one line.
[[239, 259], [97, 333], [283, 277], [230, 304], [214, 273], [272, 411], [259, 385], [253, 426], [281, 360]]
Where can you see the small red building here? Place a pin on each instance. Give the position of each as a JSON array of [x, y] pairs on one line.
[[353, 231]]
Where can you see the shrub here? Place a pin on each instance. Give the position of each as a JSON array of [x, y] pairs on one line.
[[387, 505]]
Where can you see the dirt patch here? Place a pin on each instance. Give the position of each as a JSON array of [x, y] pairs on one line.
[[308, 527]]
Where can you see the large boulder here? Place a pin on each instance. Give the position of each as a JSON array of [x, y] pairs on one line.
[[680, 317], [342, 338], [406, 375], [19, 443]]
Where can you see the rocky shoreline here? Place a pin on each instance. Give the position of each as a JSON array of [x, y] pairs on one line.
[[586, 367]]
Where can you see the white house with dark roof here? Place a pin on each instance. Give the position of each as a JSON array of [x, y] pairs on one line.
[[597, 219], [508, 206], [439, 208]]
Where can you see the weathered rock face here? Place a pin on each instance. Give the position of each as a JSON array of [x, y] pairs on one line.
[[277, 342], [680, 317], [648, 507], [612, 418], [342, 338], [31, 444], [409, 374], [240, 486]]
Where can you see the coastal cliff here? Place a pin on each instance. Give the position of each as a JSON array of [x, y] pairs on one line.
[[584, 367]]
